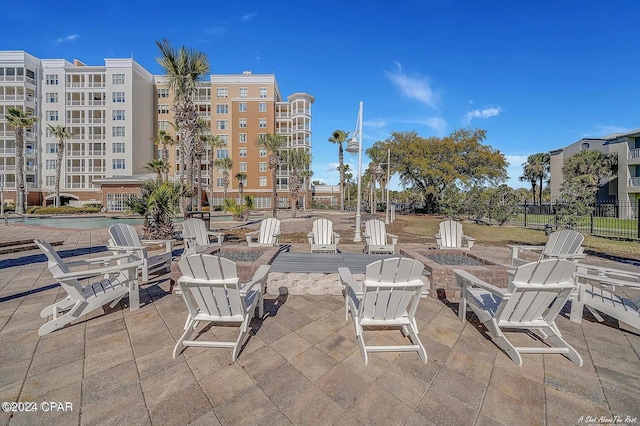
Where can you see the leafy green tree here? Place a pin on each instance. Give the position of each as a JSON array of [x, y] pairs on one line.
[[183, 68], [224, 164], [158, 202], [159, 167], [19, 120], [536, 170], [165, 140], [429, 165], [62, 134], [503, 203], [339, 137], [273, 144], [298, 161]]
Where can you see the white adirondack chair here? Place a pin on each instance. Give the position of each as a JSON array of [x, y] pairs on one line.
[[389, 298], [322, 238], [605, 297], [197, 238], [376, 238], [451, 236], [117, 279], [267, 235], [211, 289], [566, 244], [125, 238], [532, 301]]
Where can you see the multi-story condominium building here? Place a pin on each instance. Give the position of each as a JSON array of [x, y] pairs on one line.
[[114, 112], [624, 187]]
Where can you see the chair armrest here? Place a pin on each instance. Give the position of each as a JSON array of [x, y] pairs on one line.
[[347, 279], [565, 256], [394, 238], [218, 235], [310, 237], [249, 236], [277, 234], [168, 244], [97, 260], [438, 239], [477, 282], [259, 277], [603, 279], [608, 271], [470, 240], [99, 271], [336, 237]]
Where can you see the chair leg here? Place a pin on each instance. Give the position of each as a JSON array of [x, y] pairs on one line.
[[243, 332], [413, 336], [187, 333], [63, 305], [363, 347], [58, 322], [556, 340]]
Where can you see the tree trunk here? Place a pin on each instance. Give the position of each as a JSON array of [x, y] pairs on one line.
[[341, 161], [199, 183], [59, 156], [165, 158], [19, 170], [274, 207], [540, 191]]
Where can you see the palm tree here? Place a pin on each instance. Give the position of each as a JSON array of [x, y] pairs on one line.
[[538, 166], [183, 69], [159, 166], [224, 164], [340, 136], [241, 178], [163, 138], [528, 175], [19, 120], [273, 144], [158, 203], [299, 162], [62, 134]]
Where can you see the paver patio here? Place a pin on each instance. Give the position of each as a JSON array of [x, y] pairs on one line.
[[301, 365]]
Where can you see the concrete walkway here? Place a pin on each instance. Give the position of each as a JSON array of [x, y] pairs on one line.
[[302, 364]]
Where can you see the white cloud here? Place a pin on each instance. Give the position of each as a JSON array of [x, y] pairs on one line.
[[216, 29], [377, 123], [414, 87], [436, 123], [249, 16], [71, 37], [482, 113]]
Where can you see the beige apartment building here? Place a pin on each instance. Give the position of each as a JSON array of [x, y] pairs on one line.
[[114, 112]]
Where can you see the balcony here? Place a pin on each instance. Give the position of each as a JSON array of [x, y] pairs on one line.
[[75, 170], [98, 102], [7, 167], [8, 151], [634, 156], [75, 103], [634, 182], [75, 153], [96, 84], [96, 120]]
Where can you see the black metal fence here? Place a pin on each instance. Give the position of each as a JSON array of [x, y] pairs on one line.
[[607, 219]]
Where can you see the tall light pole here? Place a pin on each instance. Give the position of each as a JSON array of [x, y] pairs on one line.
[[355, 145]]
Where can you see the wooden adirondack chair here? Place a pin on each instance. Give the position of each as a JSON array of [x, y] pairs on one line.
[[124, 238], [532, 301], [211, 289], [377, 239], [197, 238], [267, 235], [451, 236], [115, 281], [566, 244], [389, 298], [605, 297], [322, 238]]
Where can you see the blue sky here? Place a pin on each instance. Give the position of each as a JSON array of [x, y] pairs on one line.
[[537, 75]]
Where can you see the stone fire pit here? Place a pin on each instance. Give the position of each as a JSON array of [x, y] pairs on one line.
[[441, 263]]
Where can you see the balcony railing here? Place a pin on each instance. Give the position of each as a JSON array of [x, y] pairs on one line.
[[75, 169], [96, 84], [7, 150], [96, 120], [634, 153], [74, 102], [96, 102], [634, 181], [96, 153], [74, 153], [7, 167], [75, 84]]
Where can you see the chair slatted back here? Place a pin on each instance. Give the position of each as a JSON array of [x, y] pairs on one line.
[[451, 233], [57, 267], [392, 289], [322, 230], [196, 228], [268, 227], [376, 231], [539, 290], [125, 235], [218, 293], [567, 241]]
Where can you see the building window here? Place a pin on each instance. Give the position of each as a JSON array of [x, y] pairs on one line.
[[51, 148], [52, 98], [263, 181], [118, 97], [50, 180], [163, 125], [117, 164], [117, 78], [242, 107], [163, 109], [222, 92], [243, 123], [262, 107], [263, 92], [242, 137], [262, 123], [222, 153], [262, 167], [222, 108], [262, 152], [243, 152], [220, 182], [243, 92], [51, 79], [222, 124], [118, 148], [50, 164], [52, 115], [117, 131], [223, 138], [163, 93], [263, 202], [242, 167], [118, 202], [118, 114]]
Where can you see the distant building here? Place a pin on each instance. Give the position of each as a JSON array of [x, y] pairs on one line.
[[114, 112], [624, 187]]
